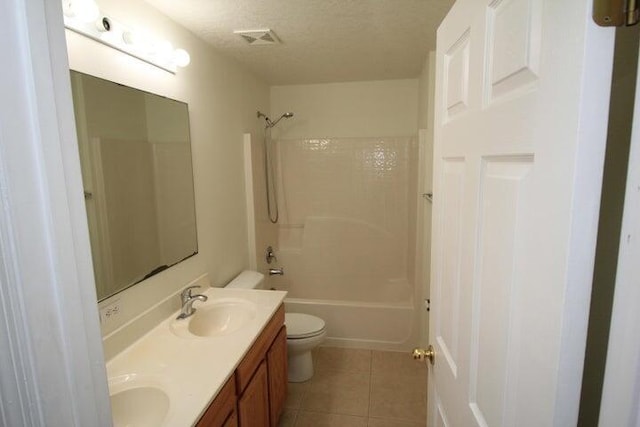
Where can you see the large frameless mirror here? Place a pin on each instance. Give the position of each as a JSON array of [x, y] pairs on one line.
[[135, 154]]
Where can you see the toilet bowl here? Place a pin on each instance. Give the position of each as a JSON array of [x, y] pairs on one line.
[[304, 333]]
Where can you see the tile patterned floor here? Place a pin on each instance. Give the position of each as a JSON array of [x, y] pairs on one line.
[[359, 388]]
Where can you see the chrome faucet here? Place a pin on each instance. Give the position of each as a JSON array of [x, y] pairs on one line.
[[187, 302]]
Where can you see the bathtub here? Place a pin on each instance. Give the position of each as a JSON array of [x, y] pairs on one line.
[[373, 326]]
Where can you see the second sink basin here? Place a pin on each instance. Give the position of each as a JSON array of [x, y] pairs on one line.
[[220, 317], [144, 406]]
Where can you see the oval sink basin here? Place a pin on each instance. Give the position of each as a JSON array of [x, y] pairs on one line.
[[139, 406], [221, 317]]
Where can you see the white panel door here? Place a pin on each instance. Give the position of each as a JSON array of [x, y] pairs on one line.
[[522, 93]]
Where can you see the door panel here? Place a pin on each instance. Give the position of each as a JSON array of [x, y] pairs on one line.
[[449, 259], [457, 77], [494, 340], [519, 144], [513, 44]]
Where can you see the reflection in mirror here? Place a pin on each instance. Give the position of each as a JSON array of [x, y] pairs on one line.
[[138, 181]]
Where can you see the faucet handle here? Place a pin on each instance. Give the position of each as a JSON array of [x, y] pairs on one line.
[[186, 293], [276, 271], [270, 255]]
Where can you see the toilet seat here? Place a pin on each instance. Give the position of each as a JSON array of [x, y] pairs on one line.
[[301, 325]]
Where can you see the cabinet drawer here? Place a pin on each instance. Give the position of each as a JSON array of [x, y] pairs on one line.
[[258, 350]]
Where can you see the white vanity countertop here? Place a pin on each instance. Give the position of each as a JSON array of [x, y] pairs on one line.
[[191, 371]]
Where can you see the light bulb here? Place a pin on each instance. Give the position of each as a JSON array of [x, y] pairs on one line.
[[130, 38], [181, 57], [140, 41], [163, 50], [67, 9], [84, 10]]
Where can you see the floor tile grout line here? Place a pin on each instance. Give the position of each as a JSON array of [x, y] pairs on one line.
[[405, 420], [303, 397]]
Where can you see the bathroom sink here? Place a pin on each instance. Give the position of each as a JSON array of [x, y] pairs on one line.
[[220, 317], [139, 406]]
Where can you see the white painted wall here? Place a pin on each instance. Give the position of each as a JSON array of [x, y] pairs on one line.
[[426, 86], [355, 109], [223, 99]]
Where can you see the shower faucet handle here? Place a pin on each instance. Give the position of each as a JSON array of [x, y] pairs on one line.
[[270, 255]]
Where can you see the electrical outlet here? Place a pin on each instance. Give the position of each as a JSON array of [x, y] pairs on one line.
[[109, 312]]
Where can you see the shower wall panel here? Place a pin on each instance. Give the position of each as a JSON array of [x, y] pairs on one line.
[[345, 228]]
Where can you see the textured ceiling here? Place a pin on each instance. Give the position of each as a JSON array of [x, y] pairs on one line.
[[322, 40]]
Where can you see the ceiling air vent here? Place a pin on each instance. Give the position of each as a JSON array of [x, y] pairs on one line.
[[258, 37]]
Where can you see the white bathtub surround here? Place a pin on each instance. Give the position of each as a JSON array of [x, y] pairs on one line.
[[347, 173], [362, 325], [344, 228], [190, 370], [346, 236]]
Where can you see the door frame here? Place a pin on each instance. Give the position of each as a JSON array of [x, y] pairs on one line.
[[620, 404], [53, 372]]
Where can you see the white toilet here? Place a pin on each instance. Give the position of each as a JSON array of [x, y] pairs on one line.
[[304, 332]]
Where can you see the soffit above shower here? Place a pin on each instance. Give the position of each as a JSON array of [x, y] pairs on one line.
[[321, 41]]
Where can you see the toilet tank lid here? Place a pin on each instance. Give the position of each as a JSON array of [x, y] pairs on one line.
[[299, 324], [247, 280]]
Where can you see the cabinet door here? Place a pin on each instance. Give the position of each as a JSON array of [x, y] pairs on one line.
[[232, 421], [253, 406], [222, 409], [277, 367]]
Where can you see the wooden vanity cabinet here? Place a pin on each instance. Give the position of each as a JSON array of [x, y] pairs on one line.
[[277, 367], [222, 411], [258, 388]]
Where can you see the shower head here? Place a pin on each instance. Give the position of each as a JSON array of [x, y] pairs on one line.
[[284, 116], [270, 123]]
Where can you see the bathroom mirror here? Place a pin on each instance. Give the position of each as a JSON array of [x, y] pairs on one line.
[[137, 173]]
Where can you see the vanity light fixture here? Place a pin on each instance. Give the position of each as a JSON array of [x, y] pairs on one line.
[[84, 17]]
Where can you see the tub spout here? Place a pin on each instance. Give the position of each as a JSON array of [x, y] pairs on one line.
[[276, 272]]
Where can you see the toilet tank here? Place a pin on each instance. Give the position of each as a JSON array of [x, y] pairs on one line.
[[247, 280]]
